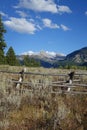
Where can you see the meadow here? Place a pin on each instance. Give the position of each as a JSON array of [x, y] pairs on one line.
[[36, 103]]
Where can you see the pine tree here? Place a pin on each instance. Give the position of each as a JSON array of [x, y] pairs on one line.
[[11, 57], [26, 60], [31, 62], [2, 42]]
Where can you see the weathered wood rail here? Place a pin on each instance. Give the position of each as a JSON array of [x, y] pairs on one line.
[[57, 87], [44, 74]]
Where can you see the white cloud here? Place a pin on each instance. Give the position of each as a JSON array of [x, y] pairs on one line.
[[38, 26], [38, 5], [65, 28], [38, 53], [21, 25], [21, 13], [51, 53], [64, 9], [48, 23], [86, 13], [43, 6], [29, 53], [3, 14]]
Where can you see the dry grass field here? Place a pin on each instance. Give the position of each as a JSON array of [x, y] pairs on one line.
[[37, 104]]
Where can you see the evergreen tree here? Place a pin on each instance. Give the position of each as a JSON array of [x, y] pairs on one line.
[[31, 62], [11, 57], [26, 60], [2, 42]]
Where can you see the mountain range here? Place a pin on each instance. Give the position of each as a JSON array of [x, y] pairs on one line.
[[52, 59], [78, 56]]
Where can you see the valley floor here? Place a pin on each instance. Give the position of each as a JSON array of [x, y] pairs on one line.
[[34, 106]]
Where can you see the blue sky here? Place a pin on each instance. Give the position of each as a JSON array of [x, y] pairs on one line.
[[51, 25]]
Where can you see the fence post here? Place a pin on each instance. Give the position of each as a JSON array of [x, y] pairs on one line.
[[21, 78], [71, 76]]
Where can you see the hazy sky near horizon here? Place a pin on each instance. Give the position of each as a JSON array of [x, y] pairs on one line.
[[51, 25]]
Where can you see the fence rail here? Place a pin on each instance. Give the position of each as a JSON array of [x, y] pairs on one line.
[[51, 84], [44, 74]]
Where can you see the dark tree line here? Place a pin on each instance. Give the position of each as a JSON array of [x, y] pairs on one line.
[[10, 57], [30, 62], [2, 42]]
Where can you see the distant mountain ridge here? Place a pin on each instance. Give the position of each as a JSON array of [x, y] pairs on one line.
[[52, 59], [43, 54], [78, 56], [46, 58]]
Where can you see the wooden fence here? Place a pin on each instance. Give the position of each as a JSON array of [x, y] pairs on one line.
[[74, 86]]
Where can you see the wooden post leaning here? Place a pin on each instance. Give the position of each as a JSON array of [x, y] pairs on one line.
[[21, 78], [71, 76]]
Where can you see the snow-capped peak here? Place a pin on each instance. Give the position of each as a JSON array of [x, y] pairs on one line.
[[49, 54], [30, 53]]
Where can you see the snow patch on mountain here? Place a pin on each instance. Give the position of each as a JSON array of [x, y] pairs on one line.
[[42, 53]]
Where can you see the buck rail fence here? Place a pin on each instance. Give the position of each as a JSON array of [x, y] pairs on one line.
[[30, 82]]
